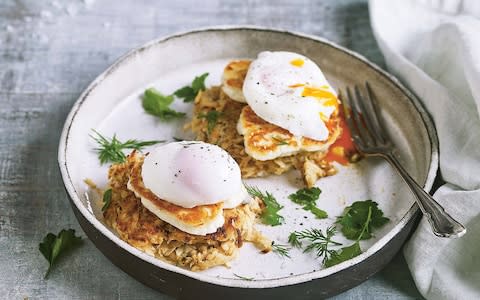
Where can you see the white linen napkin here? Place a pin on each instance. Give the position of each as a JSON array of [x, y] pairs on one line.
[[434, 48]]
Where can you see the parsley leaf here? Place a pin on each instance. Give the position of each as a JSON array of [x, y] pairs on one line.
[[343, 254], [111, 150], [212, 118], [308, 197], [158, 105], [270, 214], [188, 93], [107, 198], [360, 218], [54, 246]]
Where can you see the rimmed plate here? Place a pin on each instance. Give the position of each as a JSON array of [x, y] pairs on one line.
[[111, 104]]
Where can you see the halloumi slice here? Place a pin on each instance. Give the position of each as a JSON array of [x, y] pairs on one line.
[[265, 141], [199, 220], [233, 77]]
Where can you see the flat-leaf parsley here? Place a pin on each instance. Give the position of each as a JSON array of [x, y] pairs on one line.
[[307, 197], [157, 104], [54, 246], [188, 93], [356, 223]]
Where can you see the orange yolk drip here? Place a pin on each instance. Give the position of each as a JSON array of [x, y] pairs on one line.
[[296, 85], [331, 99], [298, 62], [343, 148]]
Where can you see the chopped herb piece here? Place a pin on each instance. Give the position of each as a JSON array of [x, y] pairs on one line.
[[360, 218], [280, 141], [343, 254], [107, 198], [158, 105], [54, 246], [188, 93], [317, 240], [308, 197], [243, 277], [293, 240], [178, 139], [281, 250], [270, 214], [212, 118], [111, 150]]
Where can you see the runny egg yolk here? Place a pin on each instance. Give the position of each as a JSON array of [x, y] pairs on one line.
[[331, 99], [297, 62], [320, 93]]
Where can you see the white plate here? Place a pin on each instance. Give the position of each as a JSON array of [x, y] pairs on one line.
[[112, 104]]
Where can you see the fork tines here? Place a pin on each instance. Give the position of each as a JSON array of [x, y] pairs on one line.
[[362, 120]]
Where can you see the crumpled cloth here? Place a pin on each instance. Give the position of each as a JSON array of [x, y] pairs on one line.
[[433, 47]]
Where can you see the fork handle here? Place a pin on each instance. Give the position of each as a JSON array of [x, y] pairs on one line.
[[443, 225]]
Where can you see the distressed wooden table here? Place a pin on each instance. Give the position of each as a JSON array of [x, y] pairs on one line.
[[49, 52]]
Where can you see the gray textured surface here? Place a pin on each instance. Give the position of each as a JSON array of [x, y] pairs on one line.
[[49, 52]]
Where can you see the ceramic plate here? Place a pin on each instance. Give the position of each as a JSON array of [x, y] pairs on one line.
[[112, 105]]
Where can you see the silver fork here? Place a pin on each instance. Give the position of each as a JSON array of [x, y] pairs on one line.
[[371, 140]]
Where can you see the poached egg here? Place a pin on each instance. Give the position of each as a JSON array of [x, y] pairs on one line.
[[194, 178], [289, 90]]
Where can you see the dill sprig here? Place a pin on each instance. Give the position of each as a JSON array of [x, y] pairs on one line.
[[317, 240], [270, 214], [281, 250], [110, 150]]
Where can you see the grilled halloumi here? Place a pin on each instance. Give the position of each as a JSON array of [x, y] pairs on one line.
[[196, 220], [265, 141], [233, 77]]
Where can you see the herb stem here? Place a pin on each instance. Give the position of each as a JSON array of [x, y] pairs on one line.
[[367, 222]]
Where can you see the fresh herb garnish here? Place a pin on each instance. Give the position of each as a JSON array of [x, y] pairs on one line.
[[316, 240], [281, 250], [343, 254], [357, 222], [54, 246], [360, 218], [111, 150], [178, 139], [107, 198], [270, 214], [293, 240], [354, 249], [188, 93], [158, 105], [307, 197], [280, 141], [243, 277], [212, 118]]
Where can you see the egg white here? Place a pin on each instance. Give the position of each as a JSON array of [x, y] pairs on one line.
[[190, 174], [269, 89]]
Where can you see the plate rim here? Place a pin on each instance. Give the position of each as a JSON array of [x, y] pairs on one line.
[[234, 282]]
